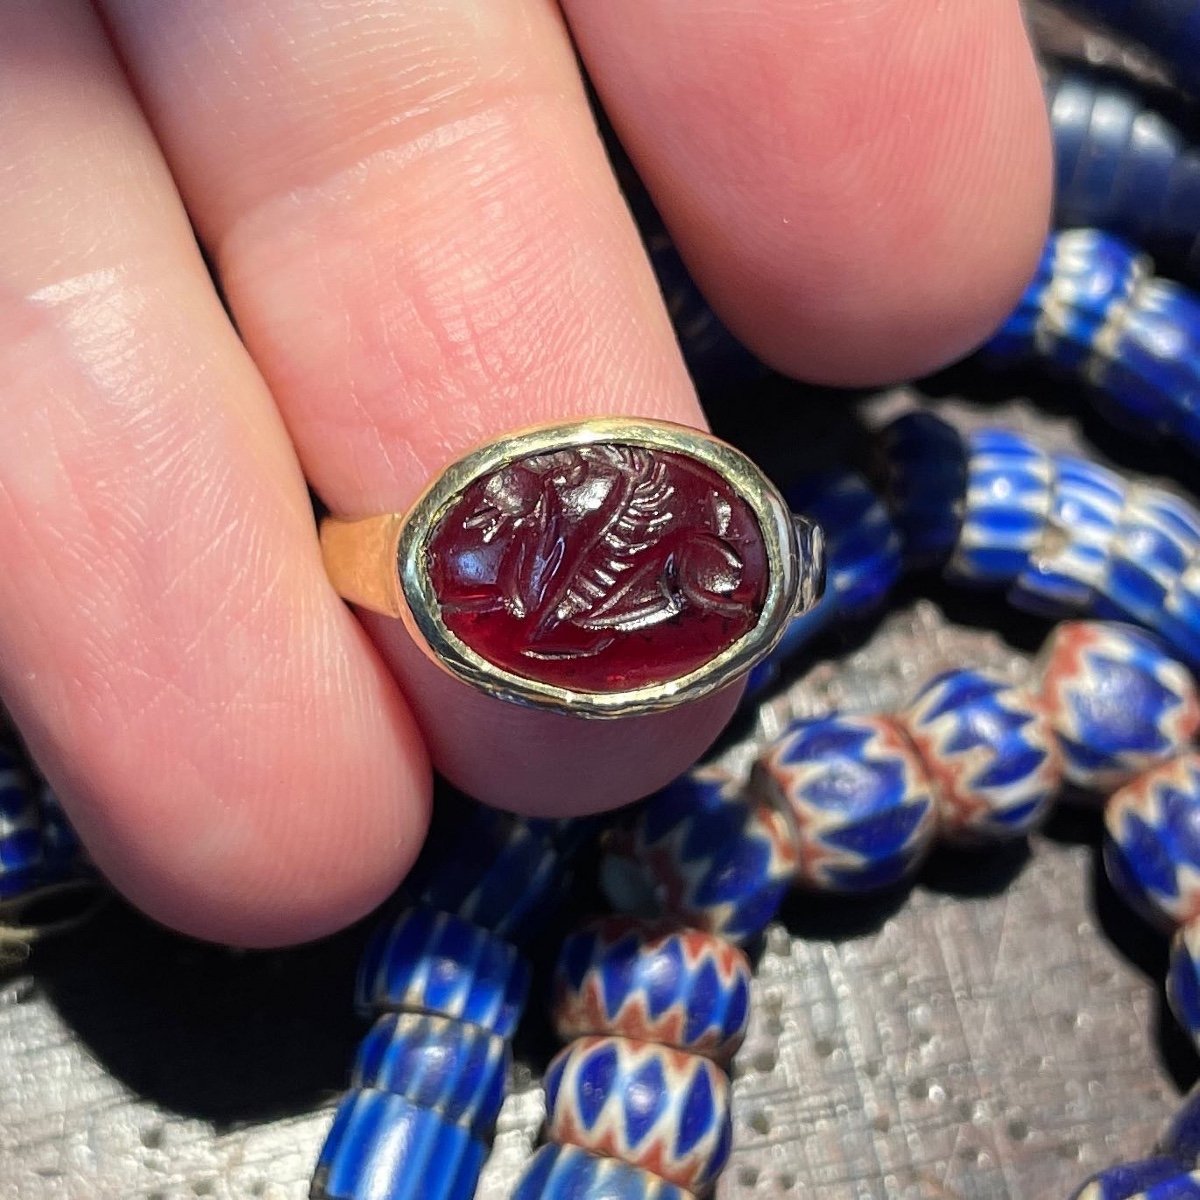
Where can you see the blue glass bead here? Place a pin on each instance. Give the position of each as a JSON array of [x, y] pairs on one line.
[[509, 871], [1152, 842], [1183, 979], [704, 854], [990, 751], [925, 482], [569, 1173], [1169, 28], [1072, 559], [1179, 622], [1131, 1181], [862, 806], [650, 1106], [383, 1147], [679, 987], [862, 547], [1007, 507], [21, 847], [1121, 166], [1157, 535], [1147, 363], [454, 1069], [427, 961], [1084, 280], [1116, 700]]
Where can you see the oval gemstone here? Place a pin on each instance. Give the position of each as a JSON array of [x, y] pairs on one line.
[[601, 568]]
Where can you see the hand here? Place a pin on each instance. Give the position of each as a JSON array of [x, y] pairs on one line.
[[413, 223]]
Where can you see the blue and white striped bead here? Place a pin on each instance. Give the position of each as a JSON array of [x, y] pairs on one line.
[[452, 1068], [862, 547], [679, 987], [432, 962], [1179, 623], [569, 1173], [1140, 1180], [1183, 979], [62, 852], [1083, 283], [1071, 561], [862, 806], [1157, 535], [704, 854], [990, 751], [1152, 842], [1118, 703], [650, 1106], [1147, 362], [21, 848], [509, 871], [924, 463], [384, 1147], [1122, 166], [1010, 481]]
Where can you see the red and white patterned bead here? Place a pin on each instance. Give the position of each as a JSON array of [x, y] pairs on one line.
[[651, 1106], [680, 987]]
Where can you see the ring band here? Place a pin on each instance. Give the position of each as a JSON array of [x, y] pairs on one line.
[[604, 568]]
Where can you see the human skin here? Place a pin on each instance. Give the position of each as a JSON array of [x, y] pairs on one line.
[[415, 229]]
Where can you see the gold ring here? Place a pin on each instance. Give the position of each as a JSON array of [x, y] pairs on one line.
[[602, 568]]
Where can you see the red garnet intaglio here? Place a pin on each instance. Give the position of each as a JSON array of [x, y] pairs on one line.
[[602, 568]]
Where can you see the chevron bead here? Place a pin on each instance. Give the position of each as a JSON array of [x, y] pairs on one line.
[[861, 803], [21, 848], [678, 987], [1137, 1181], [1152, 842], [924, 465], [862, 547], [650, 1106], [1157, 535], [1071, 560], [1183, 979], [569, 1173], [383, 1147], [990, 752], [427, 961], [704, 855], [1117, 702], [1009, 486], [452, 1068]]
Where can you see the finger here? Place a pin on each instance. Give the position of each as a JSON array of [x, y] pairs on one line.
[[423, 247], [232, 751], [860, 187]]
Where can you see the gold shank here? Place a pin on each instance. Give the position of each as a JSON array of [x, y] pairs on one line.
[[360, 560]]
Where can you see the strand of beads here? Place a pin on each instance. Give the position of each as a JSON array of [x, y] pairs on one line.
[[845, 803], [1062, 535], [1095, 311], [1124, 167], [1169, 28], [446, 984]]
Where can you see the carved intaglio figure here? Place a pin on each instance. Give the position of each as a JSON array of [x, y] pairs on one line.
[[584, 566]]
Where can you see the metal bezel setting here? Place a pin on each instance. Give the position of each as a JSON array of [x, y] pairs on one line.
[[789, 583]]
